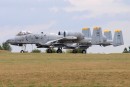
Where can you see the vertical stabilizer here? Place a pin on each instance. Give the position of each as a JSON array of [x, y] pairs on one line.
[[108, 34], [97, 37], [86, 32], [118, 38]]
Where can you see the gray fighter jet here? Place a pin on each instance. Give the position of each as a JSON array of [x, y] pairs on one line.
[[70, 40]]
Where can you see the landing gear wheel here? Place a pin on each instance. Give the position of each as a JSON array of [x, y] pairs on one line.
[[74, 51], [22, 51], [84, 51], [59, 51], [49, 51]]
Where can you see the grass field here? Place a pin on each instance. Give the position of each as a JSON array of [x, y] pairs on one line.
[[64, 70]]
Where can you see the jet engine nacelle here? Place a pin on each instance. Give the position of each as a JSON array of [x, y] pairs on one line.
[[76, 34]]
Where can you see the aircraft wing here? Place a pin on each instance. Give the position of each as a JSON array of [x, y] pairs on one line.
[[63, 39]]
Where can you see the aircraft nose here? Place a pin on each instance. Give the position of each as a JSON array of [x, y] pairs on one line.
[[8, 41]]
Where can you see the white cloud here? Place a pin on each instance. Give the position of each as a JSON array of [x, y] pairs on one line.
[[96, 8], [40, 27]]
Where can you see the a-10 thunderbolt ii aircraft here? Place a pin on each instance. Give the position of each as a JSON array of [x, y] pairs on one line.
[[74, 40]]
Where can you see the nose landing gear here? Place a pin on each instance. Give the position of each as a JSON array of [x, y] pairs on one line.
[[23, 48]]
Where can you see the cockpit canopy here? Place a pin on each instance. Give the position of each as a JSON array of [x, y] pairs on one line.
[[21, 33]]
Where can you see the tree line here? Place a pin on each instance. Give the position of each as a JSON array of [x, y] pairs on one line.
[[5, 46]]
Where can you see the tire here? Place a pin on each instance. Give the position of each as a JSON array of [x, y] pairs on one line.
[[22, 51], [59, 51], [84, 51], [49, 51]]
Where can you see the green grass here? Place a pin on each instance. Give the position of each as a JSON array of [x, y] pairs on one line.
[[64, 70]]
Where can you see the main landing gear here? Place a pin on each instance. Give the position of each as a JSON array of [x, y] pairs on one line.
[[49, 50], [74, 51], [59, 50], [84, 52]]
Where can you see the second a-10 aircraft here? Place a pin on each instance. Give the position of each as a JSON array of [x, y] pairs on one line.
[[70, 40]]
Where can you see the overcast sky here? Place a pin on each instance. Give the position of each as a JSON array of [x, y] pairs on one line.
[[69, 15]]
